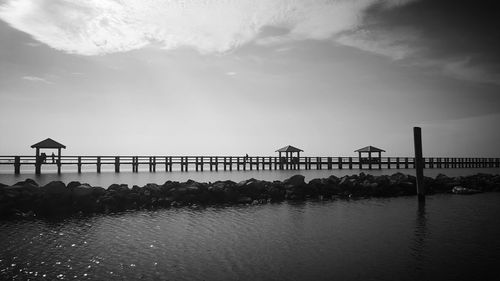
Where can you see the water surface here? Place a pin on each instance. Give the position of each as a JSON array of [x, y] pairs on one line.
[[451, 238]]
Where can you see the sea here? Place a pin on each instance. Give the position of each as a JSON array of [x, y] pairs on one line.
[[450, 237], [108, 176]]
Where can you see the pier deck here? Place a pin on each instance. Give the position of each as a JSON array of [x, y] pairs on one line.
[[230, 163]]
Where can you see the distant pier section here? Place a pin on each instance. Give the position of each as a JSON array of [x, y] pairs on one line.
[[286, 160]]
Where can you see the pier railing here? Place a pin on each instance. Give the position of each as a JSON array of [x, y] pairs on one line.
[[216, 163]]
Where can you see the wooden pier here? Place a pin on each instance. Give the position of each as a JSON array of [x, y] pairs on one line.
[[230, 163]]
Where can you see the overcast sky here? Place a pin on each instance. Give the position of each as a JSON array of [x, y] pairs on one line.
[[230, 77]]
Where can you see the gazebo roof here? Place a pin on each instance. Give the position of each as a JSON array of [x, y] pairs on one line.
[[289, 148], [48, 143], [369, 149]]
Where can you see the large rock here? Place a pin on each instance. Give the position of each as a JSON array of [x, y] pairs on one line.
[[55, 188], [27, 182], [82, 191], [244, 200], [56, 199], [73, 184], [252, 188], [98, 191], [84, 199], [295, 181]]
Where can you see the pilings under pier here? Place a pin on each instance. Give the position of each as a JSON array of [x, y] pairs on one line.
[[228, 163]]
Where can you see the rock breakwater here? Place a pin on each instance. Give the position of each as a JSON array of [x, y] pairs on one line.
[[27, 198]]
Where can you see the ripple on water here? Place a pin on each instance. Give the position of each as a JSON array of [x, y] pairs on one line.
[[289, 241]]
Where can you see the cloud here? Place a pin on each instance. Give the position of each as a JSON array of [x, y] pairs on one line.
[[95, 27], [461, 42], [33, 44], [37, 79], [231, 73], [394, 44], [463, 70]]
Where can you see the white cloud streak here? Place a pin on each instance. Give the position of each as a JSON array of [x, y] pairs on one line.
[[37, 79], [96, 27], [395, 44]]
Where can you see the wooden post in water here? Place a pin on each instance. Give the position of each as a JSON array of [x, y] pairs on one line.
[[419, 163], [350, 163], [340, 163]]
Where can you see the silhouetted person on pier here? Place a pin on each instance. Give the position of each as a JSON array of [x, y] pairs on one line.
[[43, 157], [53, 158]]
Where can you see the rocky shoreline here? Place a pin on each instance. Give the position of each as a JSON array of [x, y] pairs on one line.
[[28, 199]]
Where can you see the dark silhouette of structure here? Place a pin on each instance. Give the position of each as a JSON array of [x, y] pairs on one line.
[[289, 151], [370, 160], [40, 158]]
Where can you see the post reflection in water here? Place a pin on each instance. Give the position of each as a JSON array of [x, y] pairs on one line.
[[419, 241]]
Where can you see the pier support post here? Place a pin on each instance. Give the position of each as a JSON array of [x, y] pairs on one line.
[[17, 165], [38, 162], [369, 160], [350, 163], [360, 161], [79, 164], [419, 163], [117, 164], [98, 164]]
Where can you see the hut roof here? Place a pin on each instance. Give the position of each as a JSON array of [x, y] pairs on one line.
[[369, 149], [289, 148], [48, 143]]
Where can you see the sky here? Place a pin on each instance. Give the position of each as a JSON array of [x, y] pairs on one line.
[[231, 77]]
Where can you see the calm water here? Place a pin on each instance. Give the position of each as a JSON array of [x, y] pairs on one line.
[[107, 178], [453, 238]]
